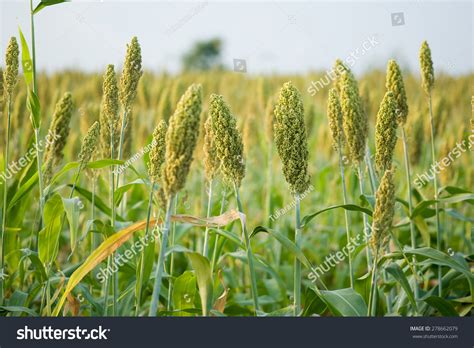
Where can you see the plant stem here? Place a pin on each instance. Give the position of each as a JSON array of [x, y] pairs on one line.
[[297, 271], [161, 259], [39, 160], [112, 223], [410, 207], [216, 242], [173, 235], [205, 247], [33, 47], [268, 200], [372, 176], [92, 235], [253, 279], [373, 284], [346, 215], [5, 193], [364, 217], [142, 258], [435, 181]]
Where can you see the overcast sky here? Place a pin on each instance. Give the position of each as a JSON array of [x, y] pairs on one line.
[[272, 36]]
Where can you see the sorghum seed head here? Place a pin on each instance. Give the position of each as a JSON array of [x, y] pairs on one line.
[[338, 69], [59, 129], [227, 140], [355, 120], [181, 138], [383, 213], [335, 119], [386, 132], [89, 143], [426, 65], [290, 138], [157, 152], [394, 83], [132, 71], [164, 105], [109, 115], [211, 160], [10, 75]]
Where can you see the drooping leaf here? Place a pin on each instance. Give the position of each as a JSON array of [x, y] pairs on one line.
[[344, 302], [445, 308], [202, 269], [45, 3], [184, 291], [72, 207], [349, 207], [395, 270], [48, 239]]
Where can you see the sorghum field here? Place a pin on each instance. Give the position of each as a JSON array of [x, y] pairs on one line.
[[217, 193]]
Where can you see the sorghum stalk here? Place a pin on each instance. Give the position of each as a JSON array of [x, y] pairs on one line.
[[161, 258], [229, 149], [292, 146], [394, 83], [181, 138], [211, 167], [355, 124], [381, 225], [10, 77], [216, 242], [157, 157], [427, 82], [335, 124], [172, 241]]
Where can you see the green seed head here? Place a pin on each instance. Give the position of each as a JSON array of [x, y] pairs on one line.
[[426, 65], [89, 143], [157, 152], [290, 138], [132, 71], [394, 83], [339, 69], [211, 161], [386, 132], [10, 75], [383, 213], [335, 119], [59, 131], [355, 120], [109, 115], [227, 140], [181, 139]]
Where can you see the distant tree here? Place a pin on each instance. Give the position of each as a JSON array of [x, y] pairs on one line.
[[204, 55]]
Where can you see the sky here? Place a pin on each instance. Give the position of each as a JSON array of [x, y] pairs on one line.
[[270, 36]]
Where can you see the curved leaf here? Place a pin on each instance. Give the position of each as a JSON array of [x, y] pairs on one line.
[[395, 270], [202, 269], [350, 207], [344, 302], [445, 308]]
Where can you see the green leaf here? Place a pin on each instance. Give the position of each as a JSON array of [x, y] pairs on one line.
[[72, 206], [442, 259], [48, 240], [120, 191], [229, 235], [395, 270], [34, 107], [421, 207], [344, 302], [202, 270], [184, 291], [45, 3], [26, 62], [288, 244], [445, 308], [36, 262], [99, 203], [350, 207], [13, 309]]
